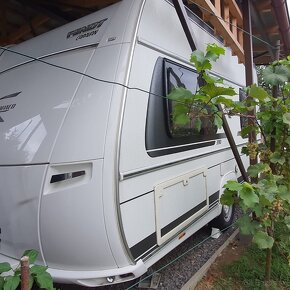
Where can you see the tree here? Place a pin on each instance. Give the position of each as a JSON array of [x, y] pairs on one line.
[[268, 193]]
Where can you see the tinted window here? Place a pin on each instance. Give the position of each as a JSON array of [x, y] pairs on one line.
[[163, 136], [177, 76]]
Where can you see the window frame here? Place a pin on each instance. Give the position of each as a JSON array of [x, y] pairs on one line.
[[158, 138]]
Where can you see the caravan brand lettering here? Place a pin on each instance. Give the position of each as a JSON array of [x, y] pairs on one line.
[[6, 108], [86, 29]]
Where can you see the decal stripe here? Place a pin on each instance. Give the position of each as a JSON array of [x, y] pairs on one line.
[[182, 218], [144, 245], [10, 96], [240, 179], [214, 197], [150, 242]]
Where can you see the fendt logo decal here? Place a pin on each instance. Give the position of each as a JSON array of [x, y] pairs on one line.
[[86, 31], [6, 108]]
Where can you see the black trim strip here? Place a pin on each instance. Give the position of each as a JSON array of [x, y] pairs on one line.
[[182, 218], [144, 245], [214, 197], [241, 179], [173, 150], [136, 197], [213, 204], [141, 249]]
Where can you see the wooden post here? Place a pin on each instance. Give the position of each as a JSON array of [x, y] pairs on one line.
[[217, 5], [248, 49], [235, 28], [227, 15], [24, 262], [240, 37]]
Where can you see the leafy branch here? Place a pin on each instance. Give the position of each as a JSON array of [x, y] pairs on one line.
[[268, 194], [38, 274]]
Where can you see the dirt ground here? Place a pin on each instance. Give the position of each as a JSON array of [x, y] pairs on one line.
[[230, 254]]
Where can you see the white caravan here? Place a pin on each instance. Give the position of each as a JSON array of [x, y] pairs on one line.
[[93, 173]]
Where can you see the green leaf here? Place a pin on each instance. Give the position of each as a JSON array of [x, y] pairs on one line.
[[227, 197], [214, 91], [11, 282], [276, 157], [4, 267], [17, 271], [264, 115], [233, 185], [267, 188], [181, 119], [284, 193], [1, 283], [286, 88], [254, 170], [248, 195], [32, 255], [179, 93], [202, 98], [218, 121], [197, 124], [264, 201], [212, 80], [257, 209], [213, 51], [286, 118], [44, 280], [288, 140], [247, 225], [247, 130], [263, 240], [258, 93], [225, 101], [276, 75], [200, 61], [245, 150], [37, 269], [287, 221], [31, 281]]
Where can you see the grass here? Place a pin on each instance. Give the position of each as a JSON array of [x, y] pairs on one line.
[[248, 272]]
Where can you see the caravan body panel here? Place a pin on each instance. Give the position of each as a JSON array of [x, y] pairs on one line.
[[105, 202], [20, 227]]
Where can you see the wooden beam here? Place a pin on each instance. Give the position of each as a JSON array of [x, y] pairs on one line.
[[260, 47], [15, 36], [227, 15], [3, 22], [88, 3], [222, 27], [51, 12], [266, 59], [217, 5], [235, 10], [269, 30], [235, 28], [264, 5], [241, 37]]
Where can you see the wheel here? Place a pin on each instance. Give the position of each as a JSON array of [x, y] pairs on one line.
[[225, 219]]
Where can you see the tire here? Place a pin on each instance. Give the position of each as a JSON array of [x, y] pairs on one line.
[[225, 219]]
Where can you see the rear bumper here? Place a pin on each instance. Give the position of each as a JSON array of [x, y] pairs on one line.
[[99, 278], [91, 278]]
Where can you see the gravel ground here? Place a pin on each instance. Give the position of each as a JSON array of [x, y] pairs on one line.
[[175, 275]]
